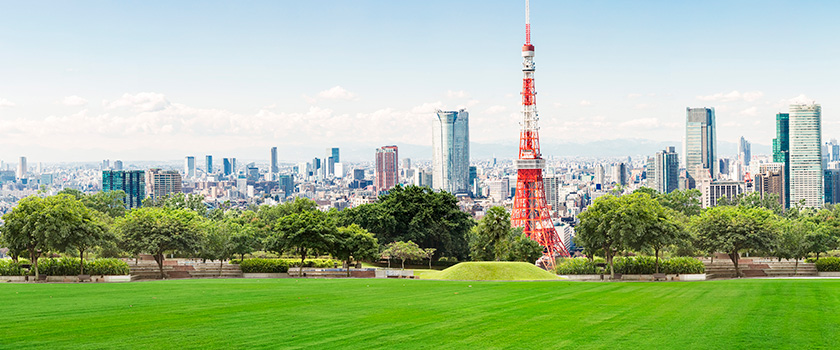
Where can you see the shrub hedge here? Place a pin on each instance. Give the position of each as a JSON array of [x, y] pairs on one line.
[[828, 264], [257, 265], [70, 267], [10, 268], [636, 265]]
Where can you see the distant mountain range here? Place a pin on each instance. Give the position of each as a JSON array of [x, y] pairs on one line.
[[601, 148]]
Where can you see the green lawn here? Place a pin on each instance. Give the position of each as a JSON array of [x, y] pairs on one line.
[[421, 314], [490, 271]]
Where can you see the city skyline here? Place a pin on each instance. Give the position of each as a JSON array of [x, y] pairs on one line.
[[161, 84]]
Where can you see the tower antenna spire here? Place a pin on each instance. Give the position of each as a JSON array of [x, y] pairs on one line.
[[527, 22]]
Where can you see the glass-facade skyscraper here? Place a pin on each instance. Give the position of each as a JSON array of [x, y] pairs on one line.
[[665, 171], [451, 147], [132, 182], [208, 166], [806, 172], [781, 152], [700, 144]]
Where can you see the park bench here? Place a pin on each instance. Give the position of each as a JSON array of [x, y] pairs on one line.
[[660, 276]]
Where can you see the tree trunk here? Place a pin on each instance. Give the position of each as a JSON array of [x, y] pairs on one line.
[[430, 263], [796, 267], [33, 255], [302, 258], [403, 264], [818, 256], [348, 267], [734, 257], [656, 252], [159, 260], [81, 261], [221, 265]]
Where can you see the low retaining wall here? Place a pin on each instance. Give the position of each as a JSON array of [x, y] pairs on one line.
[[69, 279], [829, 274], [625, 277], [265, 275]]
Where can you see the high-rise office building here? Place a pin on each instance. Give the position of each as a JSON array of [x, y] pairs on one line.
[[552, 189], [700, 143], [806, 172], [22, 168], [132, 182], [499, 190], [781, 152], [286, 183], [599, 175], [771, 180], [118, 165], [712, 192], [189, 167], [831, 182], [744, 151], [406, 163], [387, 174], [333, 152], [227, 168], [451, 147], [620, 173], [208, 165], [666, 171], [274, 167], [160, 183]]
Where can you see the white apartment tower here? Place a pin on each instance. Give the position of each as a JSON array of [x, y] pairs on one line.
[[806, 173]]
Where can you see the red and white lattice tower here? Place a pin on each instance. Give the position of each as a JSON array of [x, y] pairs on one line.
[[530, 209]]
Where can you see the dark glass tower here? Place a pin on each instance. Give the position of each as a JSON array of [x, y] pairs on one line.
[[781, 150]]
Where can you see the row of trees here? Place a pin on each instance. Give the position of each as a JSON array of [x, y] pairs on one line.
[[648, 222], [182, 223]]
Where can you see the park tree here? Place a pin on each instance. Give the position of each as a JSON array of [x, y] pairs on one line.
[[23, 228], [495, 228], [613, 222], [310, 230], [523, 248], [419, 214], [791, 242], [192, 202], [86, 228], [156, 230], [654, 226], [754, 200], [354, 243], [403, 251], [686, 202], [733, 229], [218, 240], [111, 203], [429, 253], [820, 240]]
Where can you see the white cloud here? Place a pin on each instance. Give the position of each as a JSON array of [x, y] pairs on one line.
[[749, 112], [73, 101], [801, 99], [634, 95], [457, 94], [427, 108], [643, 106], [6, 103], [735, 95], [585, 103], [495, 109], [337, 93], [141, 102]]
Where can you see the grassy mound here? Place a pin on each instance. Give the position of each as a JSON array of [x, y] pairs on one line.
[[493, 271]]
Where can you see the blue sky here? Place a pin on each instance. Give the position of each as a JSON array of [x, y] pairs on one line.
[[87, 80]]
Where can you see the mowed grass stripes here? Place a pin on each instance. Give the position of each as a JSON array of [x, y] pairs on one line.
[[418, 314]]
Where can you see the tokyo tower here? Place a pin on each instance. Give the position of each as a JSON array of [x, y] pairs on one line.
[[530, 209]]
